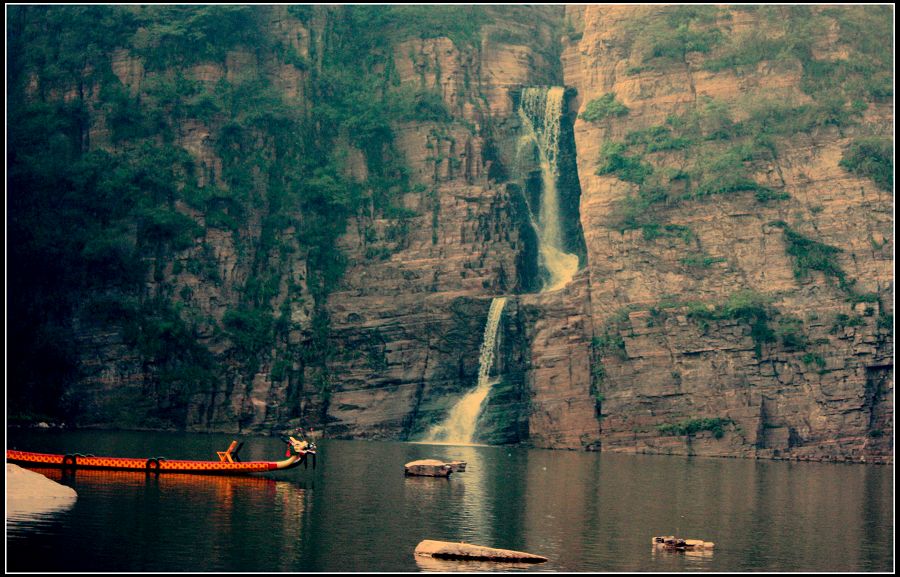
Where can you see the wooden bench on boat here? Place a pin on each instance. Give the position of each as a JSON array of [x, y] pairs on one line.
[[230, 455]]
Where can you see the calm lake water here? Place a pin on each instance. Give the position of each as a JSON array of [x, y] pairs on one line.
[[357, 512]]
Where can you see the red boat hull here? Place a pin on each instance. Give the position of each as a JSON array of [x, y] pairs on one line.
[[151, 465]]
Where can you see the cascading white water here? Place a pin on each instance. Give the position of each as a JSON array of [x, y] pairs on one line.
[[459, 428], [540, 109]]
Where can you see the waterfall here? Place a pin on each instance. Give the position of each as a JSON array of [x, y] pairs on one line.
[[540, 109], [459, 428]]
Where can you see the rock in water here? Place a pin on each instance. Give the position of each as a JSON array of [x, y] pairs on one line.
[[30, 494], [672, 542], [428, 468], [450, 550], [457, 466]]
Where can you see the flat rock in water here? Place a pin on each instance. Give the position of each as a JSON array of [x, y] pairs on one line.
[[30, 494], [428, 468], [451, 550], [457, 466], [671, 542]]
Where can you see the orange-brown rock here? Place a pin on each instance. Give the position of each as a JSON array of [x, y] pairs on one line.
[[452, 550], [407, 315], [672, 371]]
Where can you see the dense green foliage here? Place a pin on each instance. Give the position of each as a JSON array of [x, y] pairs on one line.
[[720, 146], [603, 107], [693, 426], [663, 41], [811, 255], [872, 158], [613, 161], [103, 199]]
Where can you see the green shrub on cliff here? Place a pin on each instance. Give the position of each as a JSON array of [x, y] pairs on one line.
[[635, 210], [652, 231], [693, 426], [462, 24], [746, 306], [791, 334], [872, 158], [814, 358], [724, 172], [701, 261], [749, 50], [811, 255], [680, 30], [603, 107], [419, 105], [184, 35], [656, 139], [613, 161], [682, 40]]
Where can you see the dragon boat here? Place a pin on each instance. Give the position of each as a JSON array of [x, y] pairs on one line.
[[298, 454]]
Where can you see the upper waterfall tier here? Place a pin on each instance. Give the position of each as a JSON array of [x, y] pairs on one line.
[[541, 109]]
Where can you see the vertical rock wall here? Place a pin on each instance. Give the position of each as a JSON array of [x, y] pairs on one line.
[[618, 359], [827, 399]]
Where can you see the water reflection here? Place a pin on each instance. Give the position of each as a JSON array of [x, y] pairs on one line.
[[432, 565], [359, 512], [665, 560], [222, 486], [472, 511], [229, 522]]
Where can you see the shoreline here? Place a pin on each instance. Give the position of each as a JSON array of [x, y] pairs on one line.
[[881, 460]]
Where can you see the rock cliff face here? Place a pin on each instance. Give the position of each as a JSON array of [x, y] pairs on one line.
[[402, 326], [696, 324], [411, 319], [824, 397]]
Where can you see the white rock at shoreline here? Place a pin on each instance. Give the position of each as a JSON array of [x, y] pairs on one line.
[[30, 494]]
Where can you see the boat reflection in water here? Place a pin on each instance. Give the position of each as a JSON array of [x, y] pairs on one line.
[[186, 515], [223, 485], [222, 488], [230, 499]]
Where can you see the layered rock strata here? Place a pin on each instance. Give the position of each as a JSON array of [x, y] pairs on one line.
[[634, 355], [825, 400]]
